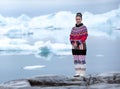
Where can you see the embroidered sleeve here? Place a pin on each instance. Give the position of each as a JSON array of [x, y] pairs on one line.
[[84, 35]]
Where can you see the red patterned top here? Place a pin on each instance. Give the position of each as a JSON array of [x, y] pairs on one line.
[[79, 34]]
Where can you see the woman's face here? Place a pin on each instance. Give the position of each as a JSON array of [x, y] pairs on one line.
[[78, 19]]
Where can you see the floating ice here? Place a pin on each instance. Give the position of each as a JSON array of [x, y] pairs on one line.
[[33, 67], [99, 55]]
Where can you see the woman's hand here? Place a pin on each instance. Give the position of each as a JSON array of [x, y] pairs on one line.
[[75, 44]]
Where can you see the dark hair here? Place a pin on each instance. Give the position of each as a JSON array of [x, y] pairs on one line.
[[79, 14]]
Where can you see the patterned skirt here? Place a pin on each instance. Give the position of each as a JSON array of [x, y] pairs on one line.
[[79, 54]]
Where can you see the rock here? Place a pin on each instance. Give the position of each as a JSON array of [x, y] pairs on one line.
[[105, 86], [105, 80], [15, 84], [54, 81], [110, 77]]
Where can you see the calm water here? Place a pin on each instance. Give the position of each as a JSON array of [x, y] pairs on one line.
[[102, 56]]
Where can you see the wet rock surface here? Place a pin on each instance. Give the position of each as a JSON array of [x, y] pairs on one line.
[[100, 81]]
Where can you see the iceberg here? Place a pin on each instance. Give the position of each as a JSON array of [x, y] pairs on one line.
[[49, 34]]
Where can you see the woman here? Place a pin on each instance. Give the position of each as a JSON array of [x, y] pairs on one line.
[[78, 37]]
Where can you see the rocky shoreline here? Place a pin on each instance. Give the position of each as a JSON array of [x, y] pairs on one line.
[[100, 81]]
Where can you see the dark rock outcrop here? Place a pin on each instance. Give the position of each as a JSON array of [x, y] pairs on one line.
[[101, 81]]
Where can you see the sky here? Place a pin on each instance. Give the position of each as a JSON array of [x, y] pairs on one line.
[[41, 7]]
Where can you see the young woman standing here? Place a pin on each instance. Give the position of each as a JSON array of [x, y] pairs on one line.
[[78, 37]]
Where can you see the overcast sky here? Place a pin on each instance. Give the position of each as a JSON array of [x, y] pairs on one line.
[[40, 7]]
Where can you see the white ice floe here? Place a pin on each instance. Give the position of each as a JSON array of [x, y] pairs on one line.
[[34, 67], [99, 55]]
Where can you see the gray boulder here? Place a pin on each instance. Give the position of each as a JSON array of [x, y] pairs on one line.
[[101, 81]]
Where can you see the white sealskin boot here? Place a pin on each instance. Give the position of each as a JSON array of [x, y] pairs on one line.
[[77, 70], [80, 70], [83, 70]]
